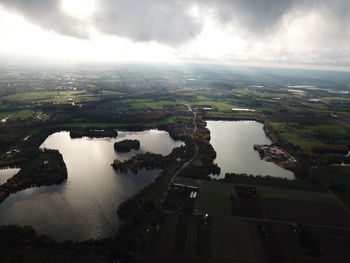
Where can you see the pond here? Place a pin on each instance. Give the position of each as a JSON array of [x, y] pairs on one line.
[[84, 206], [7, 173], [233, 142]]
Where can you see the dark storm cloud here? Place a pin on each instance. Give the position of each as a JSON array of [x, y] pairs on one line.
[[170, 22], [48, 14]]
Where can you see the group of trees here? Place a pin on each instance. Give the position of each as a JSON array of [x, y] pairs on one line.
[[42, 168]]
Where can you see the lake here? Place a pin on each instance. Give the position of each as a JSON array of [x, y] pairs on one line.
[[84, 206], [233, 142]]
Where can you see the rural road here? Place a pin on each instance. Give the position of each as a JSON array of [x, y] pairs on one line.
[[186, 164]]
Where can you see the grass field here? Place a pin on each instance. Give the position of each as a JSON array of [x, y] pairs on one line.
[[22, 114], [33, 96], [280, 203], [181, 233], [283, 184], [145, 103], [220, 105], [297, 134], [167, 235], [71, 99], [231, 240], [111, 92], [333, 174], [306, 212], [337, 176], [149, 103], [336, 98], [53, 96], [150, 124], [221, 238], [214, 198], [157, 190], [90, 124], [294, 194], [232, 114], [204, 240]]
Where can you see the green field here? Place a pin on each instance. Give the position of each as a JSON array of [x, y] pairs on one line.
[[338, 176], [150, 103], [232, 240], [336, 98], [150, 124], [277, 183], [294, 194], [214, 198], [71, 99], [220, 105], [33, 96], [57, 97], [111, 92], [22, 114], [301, 135], [144, 103]]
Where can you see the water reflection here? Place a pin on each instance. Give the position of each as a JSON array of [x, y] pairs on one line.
[[233, 142], [85, 205]]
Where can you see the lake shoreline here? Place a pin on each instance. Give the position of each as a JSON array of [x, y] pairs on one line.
[[89, 173], [44, 174], [277, 155], [234, 141]]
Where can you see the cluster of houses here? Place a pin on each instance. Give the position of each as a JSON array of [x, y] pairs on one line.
[[193, 189]]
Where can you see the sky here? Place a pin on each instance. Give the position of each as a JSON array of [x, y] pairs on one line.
[[289, 33]]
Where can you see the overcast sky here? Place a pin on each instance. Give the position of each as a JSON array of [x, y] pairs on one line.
[[266, 32]]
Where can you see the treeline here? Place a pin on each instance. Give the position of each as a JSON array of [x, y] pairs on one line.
[[26, 236], [331, 148], [44, 168], [93, 132]]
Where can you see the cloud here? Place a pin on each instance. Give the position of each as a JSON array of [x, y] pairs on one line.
[[165, 21], [170, 21], [49, 15], [256, 16], [278, 30]]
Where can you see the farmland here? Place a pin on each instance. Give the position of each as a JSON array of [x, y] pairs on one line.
[[229, 217]]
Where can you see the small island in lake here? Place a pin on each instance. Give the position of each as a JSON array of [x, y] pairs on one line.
[[127, 145]]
